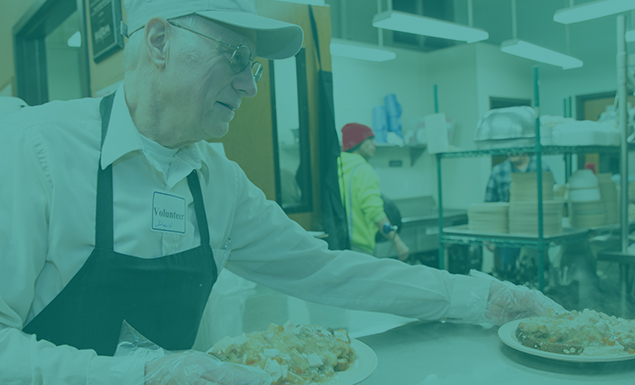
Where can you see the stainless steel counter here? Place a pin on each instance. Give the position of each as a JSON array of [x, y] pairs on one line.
[[420, 225], [447, 354]]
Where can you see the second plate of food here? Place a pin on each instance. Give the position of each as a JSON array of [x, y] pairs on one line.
[[507, 334]]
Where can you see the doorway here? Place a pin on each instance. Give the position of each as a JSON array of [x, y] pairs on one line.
[[51, 52], [596, 107]]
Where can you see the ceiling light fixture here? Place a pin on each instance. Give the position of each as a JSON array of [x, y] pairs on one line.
[[426, 26], [592, 10], [534, 52], [310, 2], [355, 50]]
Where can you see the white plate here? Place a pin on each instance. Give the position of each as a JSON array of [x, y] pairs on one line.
[[363, 367], [507, 334]]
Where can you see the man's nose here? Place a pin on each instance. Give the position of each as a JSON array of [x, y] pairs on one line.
[[245, 83]]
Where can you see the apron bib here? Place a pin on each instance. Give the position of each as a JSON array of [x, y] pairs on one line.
[[162, 298]]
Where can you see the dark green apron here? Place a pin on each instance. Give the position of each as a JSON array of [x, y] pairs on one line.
[[162, 298]]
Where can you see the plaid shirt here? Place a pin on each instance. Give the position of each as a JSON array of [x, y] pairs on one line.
[[501, 178]]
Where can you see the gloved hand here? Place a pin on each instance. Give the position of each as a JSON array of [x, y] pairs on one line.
[[198, 368], [508, 302]]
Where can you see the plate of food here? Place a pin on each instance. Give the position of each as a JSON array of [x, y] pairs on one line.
[[301, 354], [587, 336]]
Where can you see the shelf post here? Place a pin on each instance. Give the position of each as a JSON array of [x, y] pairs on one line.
[[623, 118], [440, 203], [540, 245], [436, 99]]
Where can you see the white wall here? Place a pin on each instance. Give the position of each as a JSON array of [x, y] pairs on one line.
[[558, 85], [501, 75], [361, 85]]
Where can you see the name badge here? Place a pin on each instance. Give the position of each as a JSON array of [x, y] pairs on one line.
[[168, 213]]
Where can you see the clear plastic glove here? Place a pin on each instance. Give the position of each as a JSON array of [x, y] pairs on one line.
[[198, 368], [188, 367], [508, 302]]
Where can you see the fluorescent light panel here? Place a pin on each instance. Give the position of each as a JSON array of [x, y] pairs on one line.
[[421, 25], [592, 10], [533, 52], [353, 50], [311, 2], [630, 36]]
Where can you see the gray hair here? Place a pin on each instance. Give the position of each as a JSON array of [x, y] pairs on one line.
[[134, 44]]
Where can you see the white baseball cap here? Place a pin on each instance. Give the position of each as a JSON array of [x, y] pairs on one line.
[[10, 104], [274, 39]]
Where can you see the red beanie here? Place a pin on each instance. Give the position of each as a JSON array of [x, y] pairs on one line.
[[353, 134]]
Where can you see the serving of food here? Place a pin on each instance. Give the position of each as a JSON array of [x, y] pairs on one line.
[[573, 336], [298, 355]]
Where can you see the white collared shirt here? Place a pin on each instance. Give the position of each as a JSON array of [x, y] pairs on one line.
[[49, 158]]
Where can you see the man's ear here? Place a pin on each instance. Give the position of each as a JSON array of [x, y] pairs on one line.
[[157, 42]]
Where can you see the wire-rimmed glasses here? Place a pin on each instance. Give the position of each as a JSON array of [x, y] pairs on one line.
[[239, 59]]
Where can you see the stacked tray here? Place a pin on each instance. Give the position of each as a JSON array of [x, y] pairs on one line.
[[608, 193], [524, 187], [523, 217], [587, 214], [488, 217]]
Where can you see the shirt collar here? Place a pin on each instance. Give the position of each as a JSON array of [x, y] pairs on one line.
[[531, 166], [123, 137]]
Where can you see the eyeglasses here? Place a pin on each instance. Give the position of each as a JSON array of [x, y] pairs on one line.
[[240, 58]]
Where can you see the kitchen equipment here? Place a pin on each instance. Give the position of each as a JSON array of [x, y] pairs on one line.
[[584, 195], [583, 178], [585, 133], [420, 225], [583, 187], [506, 123]]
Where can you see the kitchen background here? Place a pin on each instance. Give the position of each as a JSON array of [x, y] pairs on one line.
[[467, 77]]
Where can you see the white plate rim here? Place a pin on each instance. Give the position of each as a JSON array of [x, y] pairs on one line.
[[364, 366], [507, 334]]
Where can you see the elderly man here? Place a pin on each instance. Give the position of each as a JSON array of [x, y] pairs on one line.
[[117, 209]]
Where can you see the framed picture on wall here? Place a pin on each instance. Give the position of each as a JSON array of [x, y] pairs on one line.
[[105, 19]]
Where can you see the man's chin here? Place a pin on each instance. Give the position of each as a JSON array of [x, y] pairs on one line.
[[216, 132]]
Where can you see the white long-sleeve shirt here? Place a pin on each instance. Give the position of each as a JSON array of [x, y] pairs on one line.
[[49, 157]]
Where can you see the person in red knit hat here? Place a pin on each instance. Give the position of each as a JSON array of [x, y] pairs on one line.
[[361, 196]]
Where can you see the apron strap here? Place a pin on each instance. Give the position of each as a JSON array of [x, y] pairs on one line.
[[104, 237], [199, 207]]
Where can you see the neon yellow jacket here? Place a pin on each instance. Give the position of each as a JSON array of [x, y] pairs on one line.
[[359, 189]]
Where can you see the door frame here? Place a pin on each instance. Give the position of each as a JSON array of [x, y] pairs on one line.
[[30, 48]]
